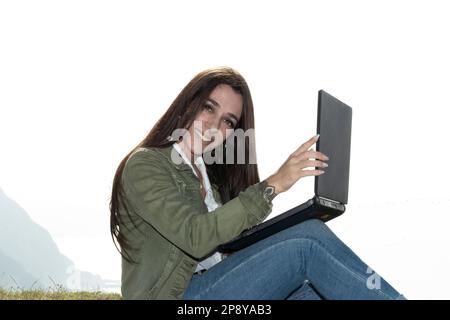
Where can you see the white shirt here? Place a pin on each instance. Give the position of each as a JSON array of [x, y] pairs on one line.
[[209, 200]]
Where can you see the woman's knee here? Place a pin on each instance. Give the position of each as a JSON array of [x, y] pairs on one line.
[[311, 226], [314, 223], [313, 229]]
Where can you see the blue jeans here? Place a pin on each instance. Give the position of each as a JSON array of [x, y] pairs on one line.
[[306, 261]]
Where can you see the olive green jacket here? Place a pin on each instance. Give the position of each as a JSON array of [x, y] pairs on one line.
[[170, 229]]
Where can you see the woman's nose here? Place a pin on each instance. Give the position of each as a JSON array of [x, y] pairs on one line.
[[211, 132], [211, 124]]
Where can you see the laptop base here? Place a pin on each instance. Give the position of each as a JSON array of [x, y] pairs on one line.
[[315, 208]]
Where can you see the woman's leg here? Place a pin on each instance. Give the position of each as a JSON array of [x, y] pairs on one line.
[[276, 267]]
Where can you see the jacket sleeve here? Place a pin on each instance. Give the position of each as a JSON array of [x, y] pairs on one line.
[[155, 197]]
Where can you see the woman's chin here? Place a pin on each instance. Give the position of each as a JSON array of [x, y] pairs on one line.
[[199, 150], [209, 146]]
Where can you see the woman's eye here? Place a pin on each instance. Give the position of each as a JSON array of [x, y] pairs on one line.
[[208, 108], [229, 123]]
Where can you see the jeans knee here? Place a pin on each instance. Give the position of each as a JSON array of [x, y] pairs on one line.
[[312, 229], [314, 223]]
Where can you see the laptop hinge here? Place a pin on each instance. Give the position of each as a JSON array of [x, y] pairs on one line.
[[328, 199]]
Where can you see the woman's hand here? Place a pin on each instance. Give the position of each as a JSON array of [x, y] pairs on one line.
[[293, 168]]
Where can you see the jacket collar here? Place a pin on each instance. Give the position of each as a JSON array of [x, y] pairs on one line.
[[179, 165]]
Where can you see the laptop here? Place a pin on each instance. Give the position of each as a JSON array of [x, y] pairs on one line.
[[334, 122]]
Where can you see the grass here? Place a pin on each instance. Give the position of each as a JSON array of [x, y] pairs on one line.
[[56, 294]]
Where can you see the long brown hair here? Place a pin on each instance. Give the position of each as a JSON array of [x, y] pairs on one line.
[[230, 178]]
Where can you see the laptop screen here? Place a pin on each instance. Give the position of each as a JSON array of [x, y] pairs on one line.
[[334, 124]]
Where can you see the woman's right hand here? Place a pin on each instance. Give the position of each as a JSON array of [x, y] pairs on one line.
[[293, 168]]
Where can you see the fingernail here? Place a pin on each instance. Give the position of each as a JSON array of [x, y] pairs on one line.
[[321, 171], [325, 164], [326, 158], [317, 136]]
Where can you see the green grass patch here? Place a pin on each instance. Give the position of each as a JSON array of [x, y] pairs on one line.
[[56, 294]]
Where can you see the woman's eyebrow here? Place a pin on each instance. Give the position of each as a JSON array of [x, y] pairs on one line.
[[215, 103], [232, 115]]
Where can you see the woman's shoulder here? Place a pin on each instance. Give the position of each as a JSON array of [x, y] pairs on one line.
[[152, 152], [145, 169], [146, 158]]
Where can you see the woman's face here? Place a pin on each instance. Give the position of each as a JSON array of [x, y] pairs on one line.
[[216, 120]]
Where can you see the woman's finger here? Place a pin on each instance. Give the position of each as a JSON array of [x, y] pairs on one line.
[[305, 146], [306, 173], [312, 154], [312, 164]]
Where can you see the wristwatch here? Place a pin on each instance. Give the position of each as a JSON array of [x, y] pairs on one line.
[[268, 191]]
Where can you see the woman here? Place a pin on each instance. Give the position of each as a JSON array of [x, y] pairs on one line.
[[180, 193]]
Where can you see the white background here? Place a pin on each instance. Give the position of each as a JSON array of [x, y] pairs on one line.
[[82, 82]]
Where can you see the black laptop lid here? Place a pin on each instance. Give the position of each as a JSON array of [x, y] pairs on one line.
[[334, 124]]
